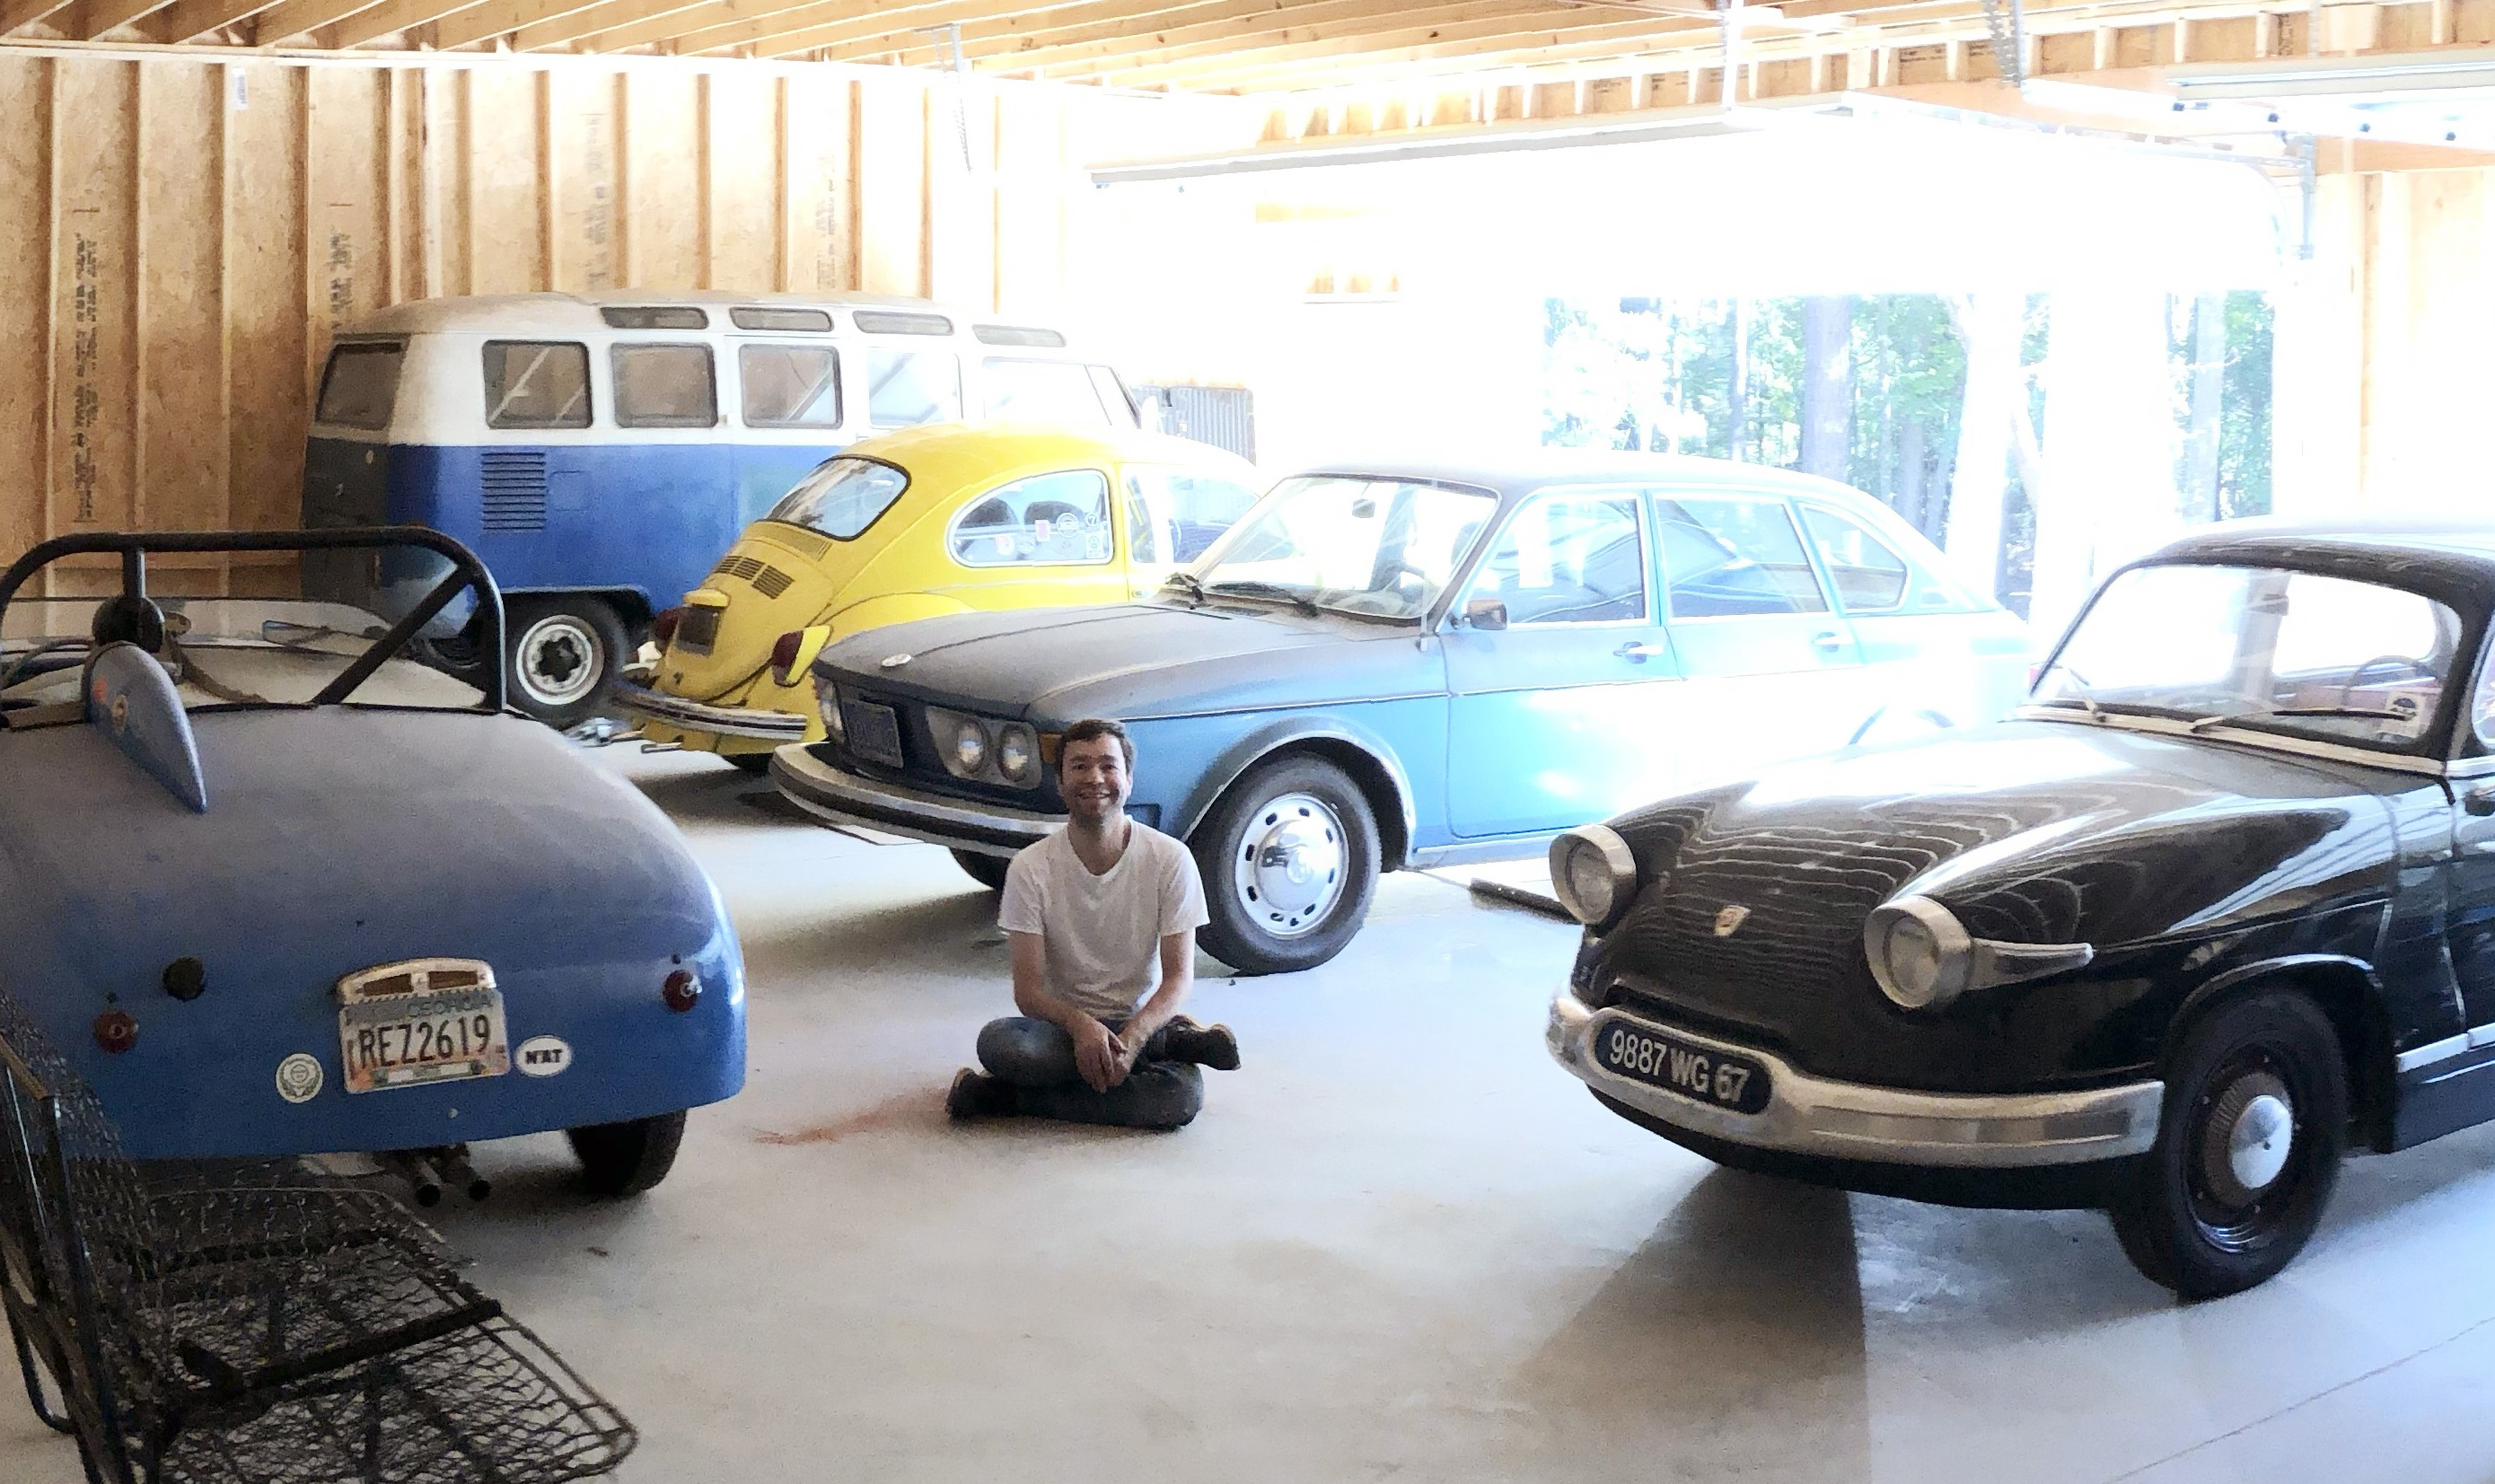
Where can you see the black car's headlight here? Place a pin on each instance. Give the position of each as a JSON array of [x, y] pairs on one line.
[[984, 751], [827, 701], [1924, 958], [1593, 874]]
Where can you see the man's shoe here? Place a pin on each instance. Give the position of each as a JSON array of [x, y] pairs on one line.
[[977, 1094], [1211, 1047]]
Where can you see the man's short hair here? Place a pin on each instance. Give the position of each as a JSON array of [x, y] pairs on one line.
[[1092, 729]]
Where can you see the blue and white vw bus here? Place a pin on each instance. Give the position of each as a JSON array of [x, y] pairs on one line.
[[600, 450]]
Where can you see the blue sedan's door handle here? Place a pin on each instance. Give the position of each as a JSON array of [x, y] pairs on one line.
[[2479, 801], [1825, 640], [1639, 650]]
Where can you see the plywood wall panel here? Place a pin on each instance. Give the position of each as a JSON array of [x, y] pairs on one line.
[[662, 141], [267, 326], [95, 369], [585, 166], [892, 188], [26, 270], [347, 204], [1030, 206], [743, 180], [181, 324], [506, 229], [821, 253]]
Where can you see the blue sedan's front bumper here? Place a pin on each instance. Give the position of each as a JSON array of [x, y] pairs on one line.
[[846, 799]]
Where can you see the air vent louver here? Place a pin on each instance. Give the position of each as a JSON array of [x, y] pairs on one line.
[[514, 491]]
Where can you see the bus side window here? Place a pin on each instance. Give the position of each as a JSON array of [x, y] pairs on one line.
[[791, 386], [664, 386], [908, 388], [1040, 391], [536, 384]]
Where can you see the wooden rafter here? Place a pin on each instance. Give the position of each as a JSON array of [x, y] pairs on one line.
[[1353, 23], [95, 18], [15, 14], [497, 17], [392, 17], [1472, 40], [302, 17], [190, 19], [727, 24], [1108, 30]]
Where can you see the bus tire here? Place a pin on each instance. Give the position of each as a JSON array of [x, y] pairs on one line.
[[560, 651]]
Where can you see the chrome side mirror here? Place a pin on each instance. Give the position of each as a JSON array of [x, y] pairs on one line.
[[1488, 613]]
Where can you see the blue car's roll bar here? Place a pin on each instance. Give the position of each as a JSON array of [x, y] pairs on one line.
[[467, 574]]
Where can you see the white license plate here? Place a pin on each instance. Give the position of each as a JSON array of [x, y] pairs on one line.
[[422, 1033]]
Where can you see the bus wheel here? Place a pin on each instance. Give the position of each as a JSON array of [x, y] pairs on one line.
[[562, 652]]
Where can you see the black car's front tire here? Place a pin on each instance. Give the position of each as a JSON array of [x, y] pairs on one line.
[[988, 871], [2248, 1148], [1289, 860], [629, 1157]]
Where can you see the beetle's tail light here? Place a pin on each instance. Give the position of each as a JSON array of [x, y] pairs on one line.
[[662, 629], [784, 658]]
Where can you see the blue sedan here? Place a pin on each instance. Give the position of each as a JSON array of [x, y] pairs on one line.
[[1395, 667]]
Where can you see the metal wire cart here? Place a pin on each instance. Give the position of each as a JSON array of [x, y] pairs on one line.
[[269, 1326]]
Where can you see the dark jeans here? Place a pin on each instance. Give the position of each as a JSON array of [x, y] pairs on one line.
[[1037, 1058]]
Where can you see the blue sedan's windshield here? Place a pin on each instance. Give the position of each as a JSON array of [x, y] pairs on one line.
[[1379, 548]]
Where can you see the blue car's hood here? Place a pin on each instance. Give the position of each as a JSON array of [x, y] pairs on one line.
[[336, 840], [1131, 660]]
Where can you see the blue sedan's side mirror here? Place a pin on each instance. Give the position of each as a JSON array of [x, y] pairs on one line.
[[1485, 613]]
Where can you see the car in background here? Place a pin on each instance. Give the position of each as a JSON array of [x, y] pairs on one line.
[[275, 889], [950, 518], [600, 450], [2216, 902], [1397, 665]]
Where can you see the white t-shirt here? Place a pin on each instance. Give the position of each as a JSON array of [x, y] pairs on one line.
[[1101, 934]]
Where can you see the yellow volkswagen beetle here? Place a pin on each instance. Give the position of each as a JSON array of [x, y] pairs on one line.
[[945, 519]]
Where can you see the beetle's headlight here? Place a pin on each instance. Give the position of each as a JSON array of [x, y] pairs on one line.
[[1017, 753], [1593, 874], [827, 701], [1918, 952], [970, 747]]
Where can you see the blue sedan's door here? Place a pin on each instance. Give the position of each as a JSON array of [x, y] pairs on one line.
[[1553, 719], [1773, 671]]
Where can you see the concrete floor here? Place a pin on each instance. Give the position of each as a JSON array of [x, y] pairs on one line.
[[1397, 1244]]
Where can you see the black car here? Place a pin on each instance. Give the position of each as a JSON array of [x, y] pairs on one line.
[[2216, 904]]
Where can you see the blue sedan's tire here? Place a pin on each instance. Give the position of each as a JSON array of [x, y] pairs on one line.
[[988, 871], [1289, 860], [629, 1157], [2248, 1147]]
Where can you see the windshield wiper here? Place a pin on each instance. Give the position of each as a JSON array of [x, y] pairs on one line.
[[2096, 713], [1188, 584], [1272, 589], [2376, 713]]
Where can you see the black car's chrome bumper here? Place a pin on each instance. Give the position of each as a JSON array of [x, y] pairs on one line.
[[725, 721], [1807, 1115], [897, 809]]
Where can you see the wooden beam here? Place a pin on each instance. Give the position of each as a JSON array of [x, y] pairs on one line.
[[1069, 24], [392, 17], [190, 19], [1344, 21], [722, 24], [1207, 20], [601, 16], [302, 17], [18, 14], [97, 16], [497, 17], [1467, 43]]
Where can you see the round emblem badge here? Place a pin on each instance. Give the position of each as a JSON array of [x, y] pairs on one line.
[[299, 1077]]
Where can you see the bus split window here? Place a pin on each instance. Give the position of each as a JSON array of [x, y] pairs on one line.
[[361, 386], [791, 386], [1050, 519], [899, 322], [664, 386], [654, 316], [536, 384], [781, 318], [1040, 391], [908, 388]]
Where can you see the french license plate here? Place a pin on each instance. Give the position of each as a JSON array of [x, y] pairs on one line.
[[1719, 1079], [697, 629], [874, 731], [397, 1028]]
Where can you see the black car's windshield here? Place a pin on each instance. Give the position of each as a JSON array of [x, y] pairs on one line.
[[2263, 649], [1377, 549]]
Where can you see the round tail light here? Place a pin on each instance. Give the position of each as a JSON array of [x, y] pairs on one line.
[[662, 629], [117, 1032], [683, 990]]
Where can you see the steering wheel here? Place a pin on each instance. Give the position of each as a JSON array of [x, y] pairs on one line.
[[2404, 662]]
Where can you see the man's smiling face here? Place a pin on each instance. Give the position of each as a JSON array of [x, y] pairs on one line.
[[1092, 775]]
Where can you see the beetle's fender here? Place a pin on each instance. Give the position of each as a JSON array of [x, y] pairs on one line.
[[891, 609], [1293, 732]]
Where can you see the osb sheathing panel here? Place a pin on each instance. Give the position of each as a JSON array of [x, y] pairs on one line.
[[180, 239]]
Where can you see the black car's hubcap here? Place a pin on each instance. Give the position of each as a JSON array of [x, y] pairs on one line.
[[2246, 1155]]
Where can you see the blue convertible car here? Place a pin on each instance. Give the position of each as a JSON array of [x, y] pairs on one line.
[[1395, 667], [276, 890]]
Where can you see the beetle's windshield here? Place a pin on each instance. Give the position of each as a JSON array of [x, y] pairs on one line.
[[2259, 649], [1377, 549], [842, 496], [226, 651]]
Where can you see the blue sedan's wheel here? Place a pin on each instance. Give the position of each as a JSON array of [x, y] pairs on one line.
[[629, 1157], [2248, 1147], [1289, 858]]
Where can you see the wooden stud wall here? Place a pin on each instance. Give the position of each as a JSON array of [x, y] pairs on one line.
[[179, 240]]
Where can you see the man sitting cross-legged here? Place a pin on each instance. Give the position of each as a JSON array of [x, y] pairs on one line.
[[1090, 912]]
